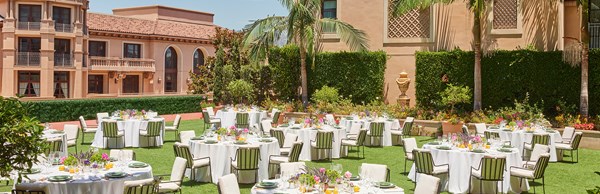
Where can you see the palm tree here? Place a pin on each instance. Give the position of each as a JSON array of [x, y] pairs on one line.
[[303, 27], [478, 9], [576, 57]]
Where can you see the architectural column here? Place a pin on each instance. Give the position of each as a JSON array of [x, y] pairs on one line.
[[9, 81], [47, 53]]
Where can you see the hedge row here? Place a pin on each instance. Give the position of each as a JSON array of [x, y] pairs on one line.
[[70, 110], [360, 74], [508, 76]]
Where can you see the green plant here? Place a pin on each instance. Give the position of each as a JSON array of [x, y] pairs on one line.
[[240, 89], [201, 82], [69, 160], [20, 137], [326, 94], [454, 95]]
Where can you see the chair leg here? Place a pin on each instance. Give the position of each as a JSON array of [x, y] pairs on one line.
[[405, 165], [469, 191], [543, 186], [533, 181]]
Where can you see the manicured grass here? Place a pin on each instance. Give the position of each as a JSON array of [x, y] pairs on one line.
[[561, 177]]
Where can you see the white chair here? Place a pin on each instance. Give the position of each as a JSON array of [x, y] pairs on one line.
[[355, 127], [72, 132], [100, 116], [140, 186], [538, 150], [266, 126], [536, 173], [273, 111], [175, 179], [85, 129], [330, 118], [290, 138], [228, 184], [427, 184], [567, 135], [291, 168], [400, 133], [175, 127], [122, 154], [211, 112], [409, 145], [31, 188], [480, 128], [375, 172], [572, 146], [185, 136]]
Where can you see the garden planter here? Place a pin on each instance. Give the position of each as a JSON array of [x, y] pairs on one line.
[[448, 127]]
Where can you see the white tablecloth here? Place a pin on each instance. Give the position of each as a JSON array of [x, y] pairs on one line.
[[91, 185], [309, 134], [228, 117], [363, 190], [220, 158], [389, 124], [460, 162], [48, 134], [131, 129], [517, 138]]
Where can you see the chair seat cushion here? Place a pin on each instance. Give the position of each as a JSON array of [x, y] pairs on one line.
[[527, 146], [529, 164], [143, 133], [396, 132], [170, 128], [201, 162], [409, 156], [278, 159], [313, 144], [167, 187], [350, 142], [440, 169], [71, 142], [90, 130], [215, 120], [285, 151], [476, 173], [519, 172], [563, 146]]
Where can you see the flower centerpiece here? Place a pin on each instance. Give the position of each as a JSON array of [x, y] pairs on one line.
[[99, 159], [326, 178], [307, 122]]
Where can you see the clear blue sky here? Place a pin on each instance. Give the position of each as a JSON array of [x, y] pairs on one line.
[[233, 14]]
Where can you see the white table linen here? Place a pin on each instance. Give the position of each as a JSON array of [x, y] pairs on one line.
[[228, 117], [363, 189], [306, 135], [389, 124], [517, 138], [49, 134], [131, 129]]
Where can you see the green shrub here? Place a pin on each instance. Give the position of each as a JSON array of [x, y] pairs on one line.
[[70, 110], [326, 94], [285, 64], [454, 95], [240, 89]]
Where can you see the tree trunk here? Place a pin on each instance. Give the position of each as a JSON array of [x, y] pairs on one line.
[[303, 77], [585, 40], [477, 69]]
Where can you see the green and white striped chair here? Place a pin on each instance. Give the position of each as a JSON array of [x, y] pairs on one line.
[[72, 132], [572, 146], [275, 120], [110, 131], [375, 172], [54, 145], [543, 139], [153, 131], [175, 127], [491, 135], [278, 134], [193, 163], [409, 145], [30, 188], [376, 131], [246, 159], [535, 155], [491, 168], [228, 184], [567, 135], [275, 160], [288, 143], [208, 121], [427, 185], [85, 128], [425, 165], [536, 173], [323, 141], [358, 142], [242, 120], [405, 131], [173, 185], [144, 186]]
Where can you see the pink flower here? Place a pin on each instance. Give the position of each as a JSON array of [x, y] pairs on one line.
[[62, 159], [245, 130], [317, 179], [307, 120], [232, 127], [105, 157], [321, 120], [322, 170], [348, 174]]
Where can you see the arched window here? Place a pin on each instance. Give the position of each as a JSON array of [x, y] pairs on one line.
[[171, 70], [198, 61]]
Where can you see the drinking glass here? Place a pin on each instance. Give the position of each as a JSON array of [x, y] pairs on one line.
[[337, 167]]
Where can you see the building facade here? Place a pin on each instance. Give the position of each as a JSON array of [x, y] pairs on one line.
[[507, 25], [595, 24], [56, 49]]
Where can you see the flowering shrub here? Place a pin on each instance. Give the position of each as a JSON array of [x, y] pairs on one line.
[[584, 126]]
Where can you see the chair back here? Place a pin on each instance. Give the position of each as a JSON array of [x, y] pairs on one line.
[[247, 158], [407, 126], [427, 184], [276, 117], [465, 130], [355, 127], [324, 140], [543, 139], [100, 116], [144, 186], [110, 129], [266, 126], [295, 152], [491, 135], [362, 135], [376, 129], [409, 145], [183, 151], [54, 145], [178, 170], [122, 154], [568, 133], [330, 118], [375, 172], [423, 161], [492, 168], [185, 136], [278, 134], [228, 184], [241, 119], [82, 123], [480, 128], [576, 140], [154, 128], [210, 110], [540, 166], [30, 188], [291, 168], [538, 151], [72, 131], [176, 121], [205, 117], [290, 139]]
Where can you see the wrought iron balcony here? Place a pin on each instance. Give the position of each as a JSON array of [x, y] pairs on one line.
[[28, 25], [58, 27], [121, 64], [594, 35], [28, 59], [63, 60]]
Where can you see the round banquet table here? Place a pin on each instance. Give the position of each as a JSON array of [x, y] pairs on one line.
[[518, 137], [54, 134], [220, 158], [389, 124], [283, 188], [309, 134], [228, 117], [131, 129], [89, 182], [460, 162]]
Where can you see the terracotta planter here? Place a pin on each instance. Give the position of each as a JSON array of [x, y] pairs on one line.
[[448, 127]]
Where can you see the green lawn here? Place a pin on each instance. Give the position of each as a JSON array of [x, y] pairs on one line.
[[561, 177]]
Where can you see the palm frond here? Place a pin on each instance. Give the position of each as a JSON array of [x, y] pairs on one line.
[[355, 39], [263, 34], [401, 7]]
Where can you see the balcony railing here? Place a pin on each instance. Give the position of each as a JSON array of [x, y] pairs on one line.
[[63, 60], [28, 25], [58, 27], [120, 64], [74, 1], [28, 58], [594, 35]]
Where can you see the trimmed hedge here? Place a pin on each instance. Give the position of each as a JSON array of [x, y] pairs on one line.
[[360, 74], [70, 110], [508, 76]]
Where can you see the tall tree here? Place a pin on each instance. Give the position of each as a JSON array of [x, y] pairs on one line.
[[303, 27], [579, 55], [478, 8]]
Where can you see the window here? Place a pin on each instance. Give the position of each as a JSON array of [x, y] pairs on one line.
[[95, 84], [61, 84], [131, 84], [132, 51], [97, 48], [171, 70], [505, 14], [29, 52], [198, 61], [414, 26], [62, 52], [61, 15], [30, 13], [329, 9], [29, 83], [30, 44]]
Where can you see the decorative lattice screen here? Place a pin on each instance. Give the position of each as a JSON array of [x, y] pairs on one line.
[[414, 24], [505, 14]]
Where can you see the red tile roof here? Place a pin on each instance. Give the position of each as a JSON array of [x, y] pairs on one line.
[[123, 24]]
